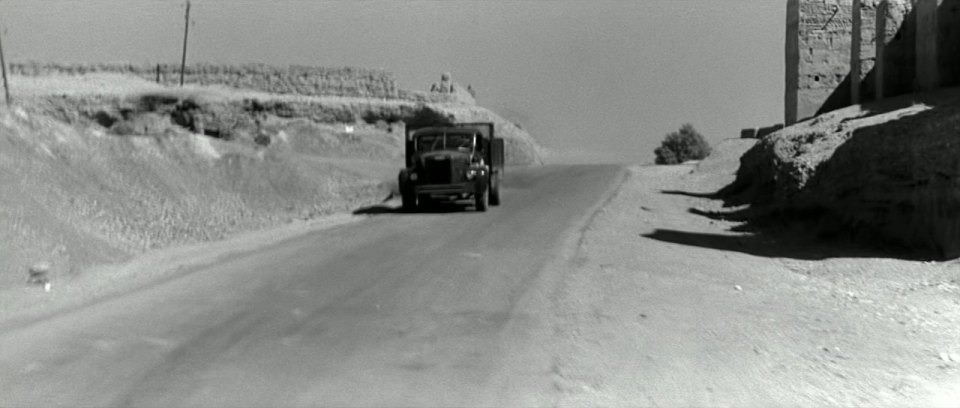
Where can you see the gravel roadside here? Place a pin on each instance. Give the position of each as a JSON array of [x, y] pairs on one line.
[[665, 307]]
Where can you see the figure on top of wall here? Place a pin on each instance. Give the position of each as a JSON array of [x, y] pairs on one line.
[[445, 85]]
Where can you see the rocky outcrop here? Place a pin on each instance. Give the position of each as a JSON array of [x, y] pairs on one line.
[[874, 173]]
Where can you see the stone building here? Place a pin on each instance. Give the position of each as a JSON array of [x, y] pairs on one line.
[[842, 52]]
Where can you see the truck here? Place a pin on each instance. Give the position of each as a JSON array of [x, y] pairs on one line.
[[452, 162]]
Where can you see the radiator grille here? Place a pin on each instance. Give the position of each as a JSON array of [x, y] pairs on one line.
[[439, 170]]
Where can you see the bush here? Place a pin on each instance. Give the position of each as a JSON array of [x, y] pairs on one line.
[[685, 144]]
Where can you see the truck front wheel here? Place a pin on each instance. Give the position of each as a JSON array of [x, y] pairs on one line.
[[409, 201], [481, 201], [408, 196]]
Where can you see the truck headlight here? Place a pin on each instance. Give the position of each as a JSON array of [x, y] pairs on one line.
[[473, 173], [413, 176]]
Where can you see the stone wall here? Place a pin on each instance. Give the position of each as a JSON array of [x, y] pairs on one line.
[[301, 80], [897, 51], [948, 42], [819, 45], [842, 52]]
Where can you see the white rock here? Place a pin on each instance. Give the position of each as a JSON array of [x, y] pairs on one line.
[[737, 288], [40, 268], [47, 286]]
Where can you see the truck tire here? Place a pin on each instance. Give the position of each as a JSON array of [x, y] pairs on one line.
[[495, 190], [409, 202], [407, 197], [481, 201]]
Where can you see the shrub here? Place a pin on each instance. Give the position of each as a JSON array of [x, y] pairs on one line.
[[680, 146]]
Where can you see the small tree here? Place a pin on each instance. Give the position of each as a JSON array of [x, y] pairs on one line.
[[685, 144]]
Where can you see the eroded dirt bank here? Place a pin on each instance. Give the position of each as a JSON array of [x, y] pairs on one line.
[[885, 171]]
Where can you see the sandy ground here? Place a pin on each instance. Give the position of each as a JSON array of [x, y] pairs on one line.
[[662, 307]]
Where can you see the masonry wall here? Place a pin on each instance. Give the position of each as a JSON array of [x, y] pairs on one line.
[[792, 85], [818, 53], [842, 52], [948, 42], [301, 80], [896, 40]]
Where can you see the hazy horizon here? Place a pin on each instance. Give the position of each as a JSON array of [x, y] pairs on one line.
[[620, 74]]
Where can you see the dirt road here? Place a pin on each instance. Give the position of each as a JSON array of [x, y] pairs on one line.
[[395, 310], [588, 286]]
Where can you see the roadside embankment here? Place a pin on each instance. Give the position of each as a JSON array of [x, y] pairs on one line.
[[888, 170], [77, 196]]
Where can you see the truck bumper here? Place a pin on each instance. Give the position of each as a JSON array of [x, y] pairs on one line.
[[446, 189]]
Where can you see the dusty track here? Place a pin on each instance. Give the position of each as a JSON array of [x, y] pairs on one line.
[[395, 310]]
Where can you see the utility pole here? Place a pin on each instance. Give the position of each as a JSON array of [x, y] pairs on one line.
[[186, 32], [6, 87]]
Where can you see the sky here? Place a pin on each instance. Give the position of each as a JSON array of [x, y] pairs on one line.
[[595, 80]]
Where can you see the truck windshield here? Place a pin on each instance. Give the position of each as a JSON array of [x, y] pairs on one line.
[[441, 141]]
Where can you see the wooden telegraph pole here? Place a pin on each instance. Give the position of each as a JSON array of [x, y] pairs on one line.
[[186, 33], [3, 63]]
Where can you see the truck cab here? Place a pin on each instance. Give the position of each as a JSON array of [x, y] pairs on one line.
[[452, 163]]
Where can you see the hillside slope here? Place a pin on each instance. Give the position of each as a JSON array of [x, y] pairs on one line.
[[98, 167], [75, 196]]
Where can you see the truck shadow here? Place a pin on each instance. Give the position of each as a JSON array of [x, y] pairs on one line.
[[378, 209], [394, 209]]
